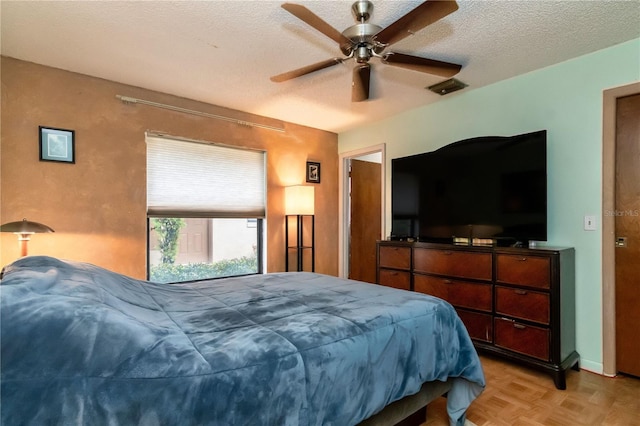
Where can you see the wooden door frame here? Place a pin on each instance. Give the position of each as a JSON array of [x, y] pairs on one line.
[[343, 201], [610, 97]]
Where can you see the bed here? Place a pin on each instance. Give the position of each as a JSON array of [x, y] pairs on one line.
[[82, 345]]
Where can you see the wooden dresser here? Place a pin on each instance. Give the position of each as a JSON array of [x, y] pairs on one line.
[[516, 303]]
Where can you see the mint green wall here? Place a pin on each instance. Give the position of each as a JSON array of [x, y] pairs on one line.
[[564, 99]]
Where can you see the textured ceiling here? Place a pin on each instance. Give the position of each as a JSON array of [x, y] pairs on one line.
[[223, 52]]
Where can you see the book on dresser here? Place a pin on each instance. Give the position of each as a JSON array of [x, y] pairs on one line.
[[517, 303]]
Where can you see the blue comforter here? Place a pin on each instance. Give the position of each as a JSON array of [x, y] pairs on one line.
[[85, 346]]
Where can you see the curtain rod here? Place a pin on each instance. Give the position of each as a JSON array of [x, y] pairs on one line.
[[129, 100]]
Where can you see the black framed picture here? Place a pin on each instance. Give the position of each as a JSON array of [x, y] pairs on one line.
[[57, 145], [313, 172]]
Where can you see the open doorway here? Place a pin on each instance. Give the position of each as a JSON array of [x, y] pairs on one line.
[[361, 211]]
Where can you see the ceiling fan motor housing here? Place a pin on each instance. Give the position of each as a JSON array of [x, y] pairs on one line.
[[362, 37], [362, 34]]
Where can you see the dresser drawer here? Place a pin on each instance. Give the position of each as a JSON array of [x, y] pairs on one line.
[[453, 263], [395, 257], [395, 279], [479, 326], [458, 293], [533, 271], [521, 338], [523, 304]]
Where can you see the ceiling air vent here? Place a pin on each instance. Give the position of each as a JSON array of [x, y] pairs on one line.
[[447, 86]]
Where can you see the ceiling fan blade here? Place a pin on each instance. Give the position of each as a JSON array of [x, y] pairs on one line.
[[316, 22], [306, 70], [416, 63], [360, 84], [427, 13]]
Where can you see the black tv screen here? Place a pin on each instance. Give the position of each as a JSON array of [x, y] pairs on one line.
[[491, 187]]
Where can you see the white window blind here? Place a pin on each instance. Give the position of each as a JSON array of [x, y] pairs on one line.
[[192, 179]]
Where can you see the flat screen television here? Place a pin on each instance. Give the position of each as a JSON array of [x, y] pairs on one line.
[[486, 188]]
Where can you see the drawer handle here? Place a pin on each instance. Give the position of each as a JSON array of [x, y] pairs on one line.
[[447, 253], [520, 292], [448, 281], [519, 326], [523, 259]]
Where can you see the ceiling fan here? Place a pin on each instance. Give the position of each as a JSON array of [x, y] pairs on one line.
[[364, 41]]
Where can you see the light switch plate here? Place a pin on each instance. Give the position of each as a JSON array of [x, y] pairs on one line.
[[590, 223]]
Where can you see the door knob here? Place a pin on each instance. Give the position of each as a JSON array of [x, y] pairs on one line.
[[621, 241]]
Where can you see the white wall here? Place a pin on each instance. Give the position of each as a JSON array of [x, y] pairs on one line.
[[566, 100]]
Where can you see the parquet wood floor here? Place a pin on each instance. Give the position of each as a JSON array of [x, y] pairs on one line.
[[523, 397]]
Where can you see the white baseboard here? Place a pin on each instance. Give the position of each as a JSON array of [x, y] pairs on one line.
[[593, 367]]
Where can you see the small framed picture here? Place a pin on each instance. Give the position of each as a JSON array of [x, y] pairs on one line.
[[57, 145], [313, 172]]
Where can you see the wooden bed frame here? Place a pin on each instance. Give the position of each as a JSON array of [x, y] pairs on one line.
[[411, 410]]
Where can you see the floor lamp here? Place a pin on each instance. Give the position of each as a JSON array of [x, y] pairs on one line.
[[299, 204], [23, 229]]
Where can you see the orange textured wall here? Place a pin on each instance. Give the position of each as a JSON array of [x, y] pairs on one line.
[[98, 205]]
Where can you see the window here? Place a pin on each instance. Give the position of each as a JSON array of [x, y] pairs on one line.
[[202, 248], [205, 208]]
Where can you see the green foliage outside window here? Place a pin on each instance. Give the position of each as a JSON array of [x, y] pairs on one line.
[[168, 230], [170, 273]]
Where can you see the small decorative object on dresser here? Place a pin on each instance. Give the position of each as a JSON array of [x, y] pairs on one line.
[[517, 303], [57, 145]]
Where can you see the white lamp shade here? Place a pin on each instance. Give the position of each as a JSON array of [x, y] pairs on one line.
[[299, 200]]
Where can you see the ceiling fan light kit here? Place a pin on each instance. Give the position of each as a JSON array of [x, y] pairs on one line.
[[364, 41]]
